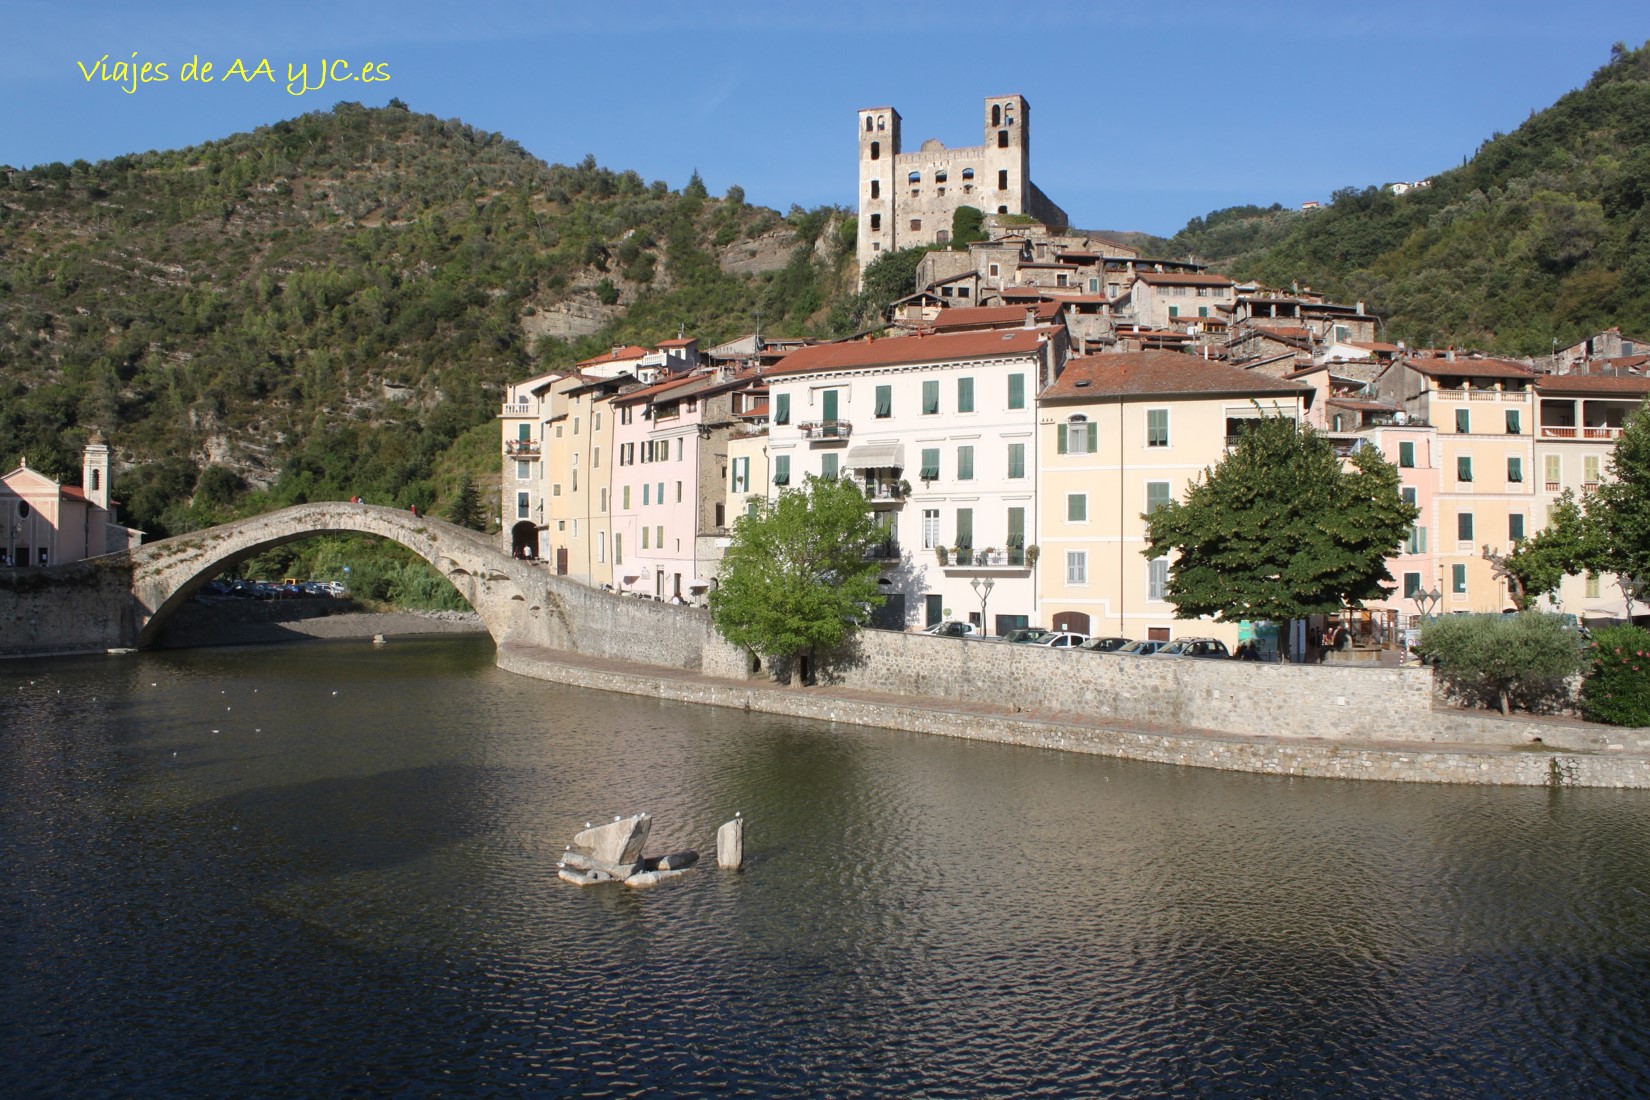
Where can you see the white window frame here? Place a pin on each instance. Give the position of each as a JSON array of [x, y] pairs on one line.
[[1077, 568]]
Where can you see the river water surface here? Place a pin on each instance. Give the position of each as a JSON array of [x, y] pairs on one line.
[[329, 870]]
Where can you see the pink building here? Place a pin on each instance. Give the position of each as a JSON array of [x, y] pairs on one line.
[[45, 523]]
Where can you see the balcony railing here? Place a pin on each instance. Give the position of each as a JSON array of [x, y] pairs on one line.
[[524, 408], [975, 559], [521, 448], [883, 551], [1514, 396], [882, 491], [1570, 431], [826, 429]]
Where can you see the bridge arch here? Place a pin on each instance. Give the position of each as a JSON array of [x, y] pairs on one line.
[[509, 595]]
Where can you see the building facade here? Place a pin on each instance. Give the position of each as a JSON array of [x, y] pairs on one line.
[[44, 523]]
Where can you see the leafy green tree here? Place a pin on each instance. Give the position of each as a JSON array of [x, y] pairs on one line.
[[795, 582], [967, 225], [1280, 529], [1499, 656], [1566, 546], [1617, 690], [695, 188], [1619, 511], [466, 507]]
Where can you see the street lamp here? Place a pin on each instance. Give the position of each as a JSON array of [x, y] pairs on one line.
[[982, 589]]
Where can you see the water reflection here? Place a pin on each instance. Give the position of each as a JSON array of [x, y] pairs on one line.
[[326, 869]]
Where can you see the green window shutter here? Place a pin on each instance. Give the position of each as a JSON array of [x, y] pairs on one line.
[[1463, 420], [965, 528], [1515, 527], [931, 397], [1157, 495], [1406, 453], [965, 395], [885, 401], [1077, 508], [524, 433], [1458, 578], [1514, 425], [782, 469], [1463, 467], [965, 463], [1060, 439], [828, 466], [1463, 526], [1093, 438], [1515, 468], [828, 405], [1016, 528], [782, 409], [1016, 391], [930, 463], [1016, 460]]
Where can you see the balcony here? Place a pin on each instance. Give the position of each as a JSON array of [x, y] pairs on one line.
[[826, 431], [1570, 431], [966, 558], [886, 550], [1517, 397], [521, 448], [884, 492], [523, 408]]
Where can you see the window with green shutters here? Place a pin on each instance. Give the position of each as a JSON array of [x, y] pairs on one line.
[[1016, 536], [1515, 468], [782, 469], [965, 528], [1515, 424], [1463, 468], [1463, 420], [1016, 391], [965, 463], [524, 433], [1515, 527], [829, 465], [1463, 526], [1157, 495], [1077, 507], [1076, 436], [1157, 427], [885, 402], [930, 464], [931, 397], [1016, 460], [782, 409], [1406, 454], [965, 395], [1458, 579]]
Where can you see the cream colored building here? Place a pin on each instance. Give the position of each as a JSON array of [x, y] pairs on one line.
[[1118, 436]]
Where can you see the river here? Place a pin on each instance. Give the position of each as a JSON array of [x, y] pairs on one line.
[[328, 869]]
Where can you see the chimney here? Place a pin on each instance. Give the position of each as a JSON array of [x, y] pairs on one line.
[[1031, 317], [1360, 309]]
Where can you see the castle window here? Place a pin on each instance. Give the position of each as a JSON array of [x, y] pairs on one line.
[[968, 173], [915, 177], [940, 176], [1002, 209], [996, 114], [867, 124], [882, 123], [943, 237], [1002, 183], [876, 222], [916, 224], [876, 189], [939, 190], [1002, 139], [876, 150]]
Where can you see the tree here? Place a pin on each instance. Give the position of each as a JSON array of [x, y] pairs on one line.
[[795, 582], [1537, 565], [1280, 529], [967, 226], [1530, 653], [1617, 690], [1619, 510], [466, 507]]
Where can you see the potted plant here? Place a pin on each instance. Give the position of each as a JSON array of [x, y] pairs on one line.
[[1031, 554], [904, 488], [941, 553]]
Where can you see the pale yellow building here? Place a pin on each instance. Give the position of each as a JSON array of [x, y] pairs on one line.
[[1118, 436]]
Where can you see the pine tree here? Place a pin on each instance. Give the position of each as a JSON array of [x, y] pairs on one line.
[[466, 507]]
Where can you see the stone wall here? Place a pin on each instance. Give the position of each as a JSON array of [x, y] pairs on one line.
[[72, 608]]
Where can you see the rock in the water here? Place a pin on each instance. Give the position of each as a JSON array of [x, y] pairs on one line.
[[582, 878], [618, 843], [651, 878], [677, 861], [730, 845]]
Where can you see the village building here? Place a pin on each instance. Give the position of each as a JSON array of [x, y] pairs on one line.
[[44, 522]]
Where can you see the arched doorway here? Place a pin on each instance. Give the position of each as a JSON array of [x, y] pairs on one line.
[[1075, 621], [524, 540]]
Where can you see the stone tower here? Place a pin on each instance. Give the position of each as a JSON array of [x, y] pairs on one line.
[[94, 473], [878, 150]]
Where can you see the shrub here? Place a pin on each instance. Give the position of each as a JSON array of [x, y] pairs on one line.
[[1498, 657], [1617, 690]]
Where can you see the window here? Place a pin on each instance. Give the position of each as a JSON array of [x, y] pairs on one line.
[[679, 442], [1552, 472], [965, 463], [647, 494], [782, 408], [1157, 578], [965, 395], [829, 465], [627, 498], [931, 397], [575, 425], [1458, 579], [596, 421], [1077, 507], [876, 151], [1463, 468], [965, 528], [914, 177], [1157, 427], [1016, 535], [1158, 495], [916, 224], [1002, 143], [575, 484], [1592, 589], [1016, 460], [1076, 436], [1002, 180], [1463, 420], [876, 222], [1077, 567], [741, 475], [1589, 469], [1463, 526], [1412, 585], [781, 469], [885, 402], [595, 458], [1342, 334], [1174, 311], [618, 548], [644, 538], [992, 270], [1514, 426], [930, 464], [1515, 527], [678, 492], [524, 433], [930, 528], [968, 173], [603, 506], [1016, 391], [659, 537], [1515, 468], [601, 547], [876, 189], [555, 490], [1406, 454], [522, 506], [1416, 541], [524, 471]]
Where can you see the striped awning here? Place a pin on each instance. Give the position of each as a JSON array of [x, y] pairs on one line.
[[876, 456]]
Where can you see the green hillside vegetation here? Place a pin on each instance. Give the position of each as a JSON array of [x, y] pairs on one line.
[[1542, 236], [330, 306]]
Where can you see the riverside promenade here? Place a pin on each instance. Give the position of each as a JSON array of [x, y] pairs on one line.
[[1518, 763]]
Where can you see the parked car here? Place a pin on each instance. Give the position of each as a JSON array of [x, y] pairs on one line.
[[1061, 639], [1195, 647], [1143, 648], [954, 629], [1105, 645], [1020, 635]]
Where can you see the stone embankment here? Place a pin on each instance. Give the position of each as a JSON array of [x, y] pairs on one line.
[[1515, 761], [248, 622]]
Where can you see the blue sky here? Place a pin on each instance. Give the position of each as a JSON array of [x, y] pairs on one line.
[[1143, 115]]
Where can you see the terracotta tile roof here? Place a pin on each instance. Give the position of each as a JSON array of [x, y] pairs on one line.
[[1021, 292], [1174, 278], [1162, 374], [1464, 367], [658, 389], [1282, 332], [72, 492], [992, 316], [912, 349], [1372, 345], [1631, 385], [631, 352], [679, 342]]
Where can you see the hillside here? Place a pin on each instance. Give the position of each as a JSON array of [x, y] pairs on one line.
[[1543, 235], [330, 305]]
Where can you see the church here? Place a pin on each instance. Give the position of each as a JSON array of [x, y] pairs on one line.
[[43, 523]]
